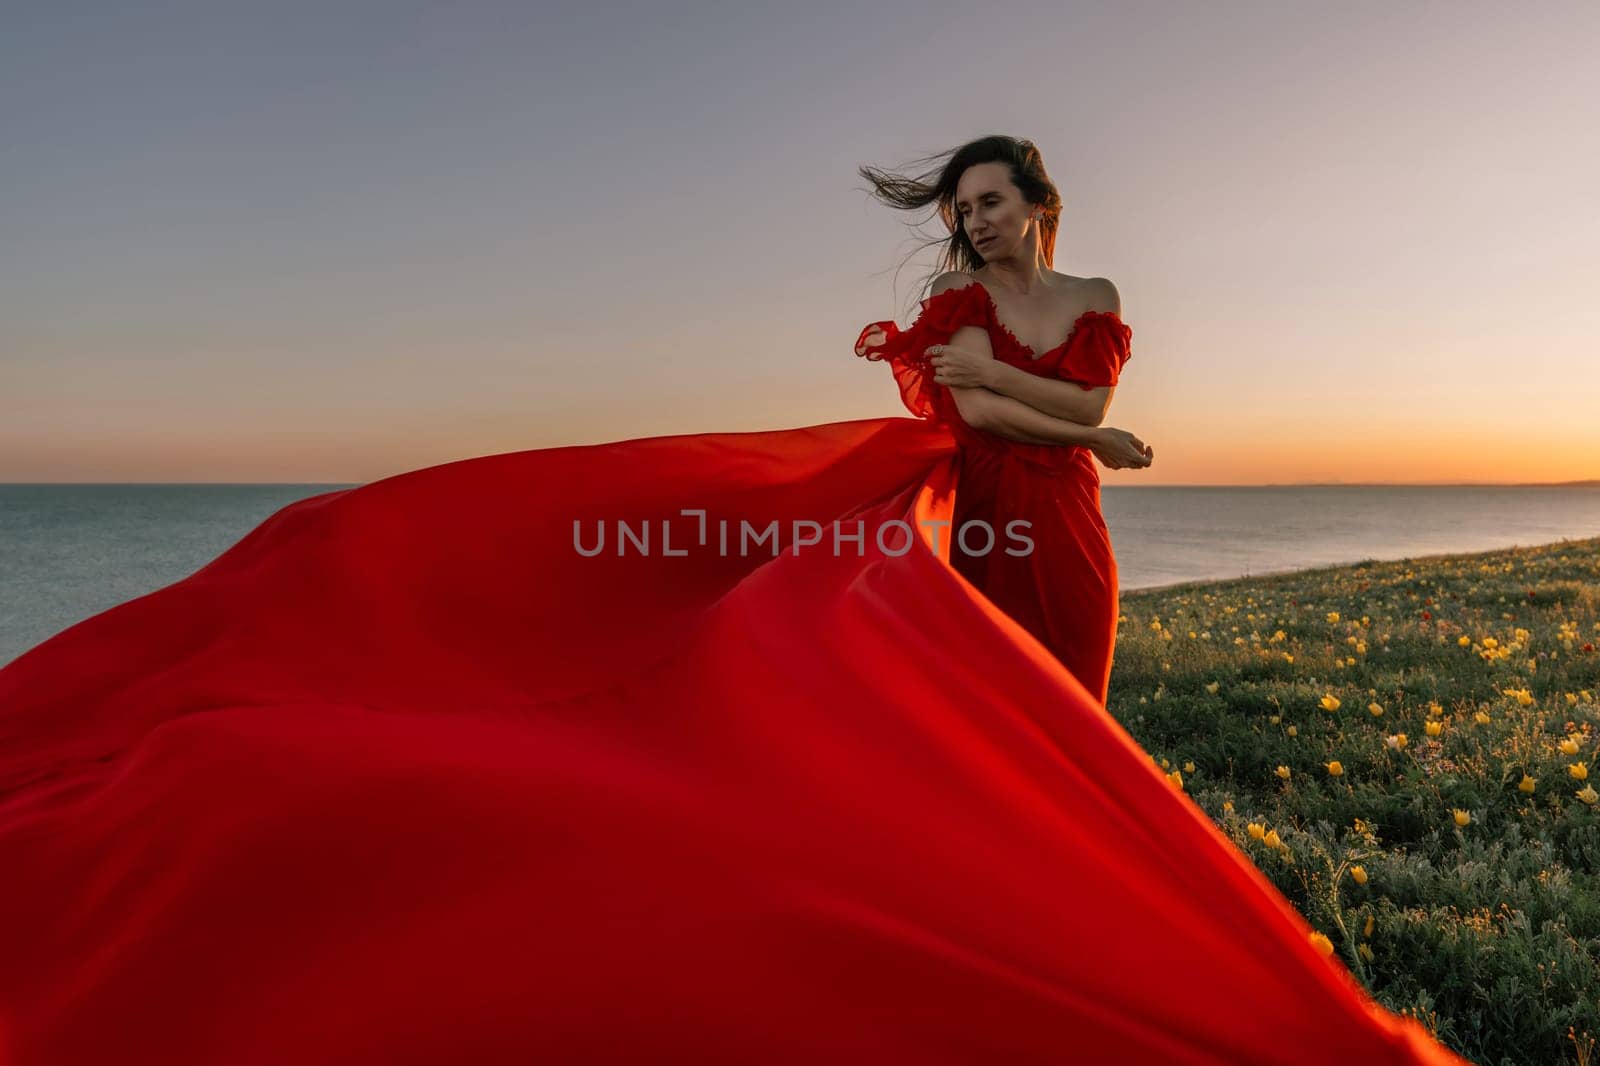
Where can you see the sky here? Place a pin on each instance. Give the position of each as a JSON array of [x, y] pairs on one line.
[[332, 242]]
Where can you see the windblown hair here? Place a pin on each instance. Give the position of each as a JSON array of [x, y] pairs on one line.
[[938, 186]]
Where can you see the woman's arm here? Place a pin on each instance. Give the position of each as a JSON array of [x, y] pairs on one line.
[[1011, 418], [1053, 396]]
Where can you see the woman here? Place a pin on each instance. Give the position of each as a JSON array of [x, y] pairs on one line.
[[1023, 381], [534, 757]]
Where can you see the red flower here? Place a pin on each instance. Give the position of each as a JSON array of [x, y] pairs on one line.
[[1427, 615]]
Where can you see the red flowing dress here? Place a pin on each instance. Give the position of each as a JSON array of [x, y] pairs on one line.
[[1062, 586], [413, 774]]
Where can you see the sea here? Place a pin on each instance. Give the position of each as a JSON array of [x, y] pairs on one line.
[[70, 551]]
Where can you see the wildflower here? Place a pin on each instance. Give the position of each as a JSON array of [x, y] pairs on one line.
[[1482, 718], [1283, 772], [1526, 784], [1227, 805], [1333, 616], [1376, 709], [1569, 746], [1323, 945], [1464, 641], [1396, 742], [1272, 840], [1366, 930], [1256, 830], [1433, 729], [1293, 732], [1462, 817], [1176, 777], [1335, 768], [1330, 702], [1434, 710], [1365, 951], [1212, 687], [1188, 767], [1275, 719], [1359, 874], [1588, 794], [1578, 770]]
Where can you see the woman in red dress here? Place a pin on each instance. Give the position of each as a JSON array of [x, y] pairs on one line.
[[434, 769], [1026, 412]]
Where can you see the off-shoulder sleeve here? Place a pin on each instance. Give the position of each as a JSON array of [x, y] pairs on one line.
[[905, 350], [1101, 343]]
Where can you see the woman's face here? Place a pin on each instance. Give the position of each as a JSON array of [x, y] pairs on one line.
[[992, 211]]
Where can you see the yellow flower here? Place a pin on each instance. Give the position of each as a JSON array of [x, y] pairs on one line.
[[1212, 687], [1569, 746], [1433, 729], [1330, 702], [1283, 772], [1376, 709], [1272, 840], [1482, 718], [1176, 777], [1365, 951], [1522, 696], [1578, 770], [1333, 616], [1462, 817], [1434, 709], [1336, 768], [1464, 641], [1227, 805], [1588, 794], [1526, 784], [1188, 767], [1396, 742], [1165, 764], [1293, 732], [1323, 945], [1256, 830], [1275, 719], [1359, 874], [1367, 929]]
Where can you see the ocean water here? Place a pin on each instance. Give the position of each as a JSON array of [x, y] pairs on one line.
[[70, 551]]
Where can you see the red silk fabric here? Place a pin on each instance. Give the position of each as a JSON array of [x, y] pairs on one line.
[[403, 777]]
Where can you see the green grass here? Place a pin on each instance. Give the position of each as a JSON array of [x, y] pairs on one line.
[[1488, 933]]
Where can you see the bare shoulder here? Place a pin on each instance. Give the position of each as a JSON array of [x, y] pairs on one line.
[[1098, 294], [954, 279]]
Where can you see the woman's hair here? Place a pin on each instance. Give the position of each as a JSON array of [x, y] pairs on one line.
[[938, 186]]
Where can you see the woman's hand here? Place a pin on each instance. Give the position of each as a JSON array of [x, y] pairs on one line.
[[960, 367], [1118, 449]]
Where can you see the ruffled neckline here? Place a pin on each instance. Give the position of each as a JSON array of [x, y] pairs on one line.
[[1025, 351]]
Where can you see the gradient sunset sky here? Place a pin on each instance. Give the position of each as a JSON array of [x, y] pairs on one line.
[[332, 242]]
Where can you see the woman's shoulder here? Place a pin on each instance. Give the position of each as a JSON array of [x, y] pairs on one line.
[[1092, 294], [954, 279]]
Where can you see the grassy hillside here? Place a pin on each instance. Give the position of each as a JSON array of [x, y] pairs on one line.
[[1411, 752]]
